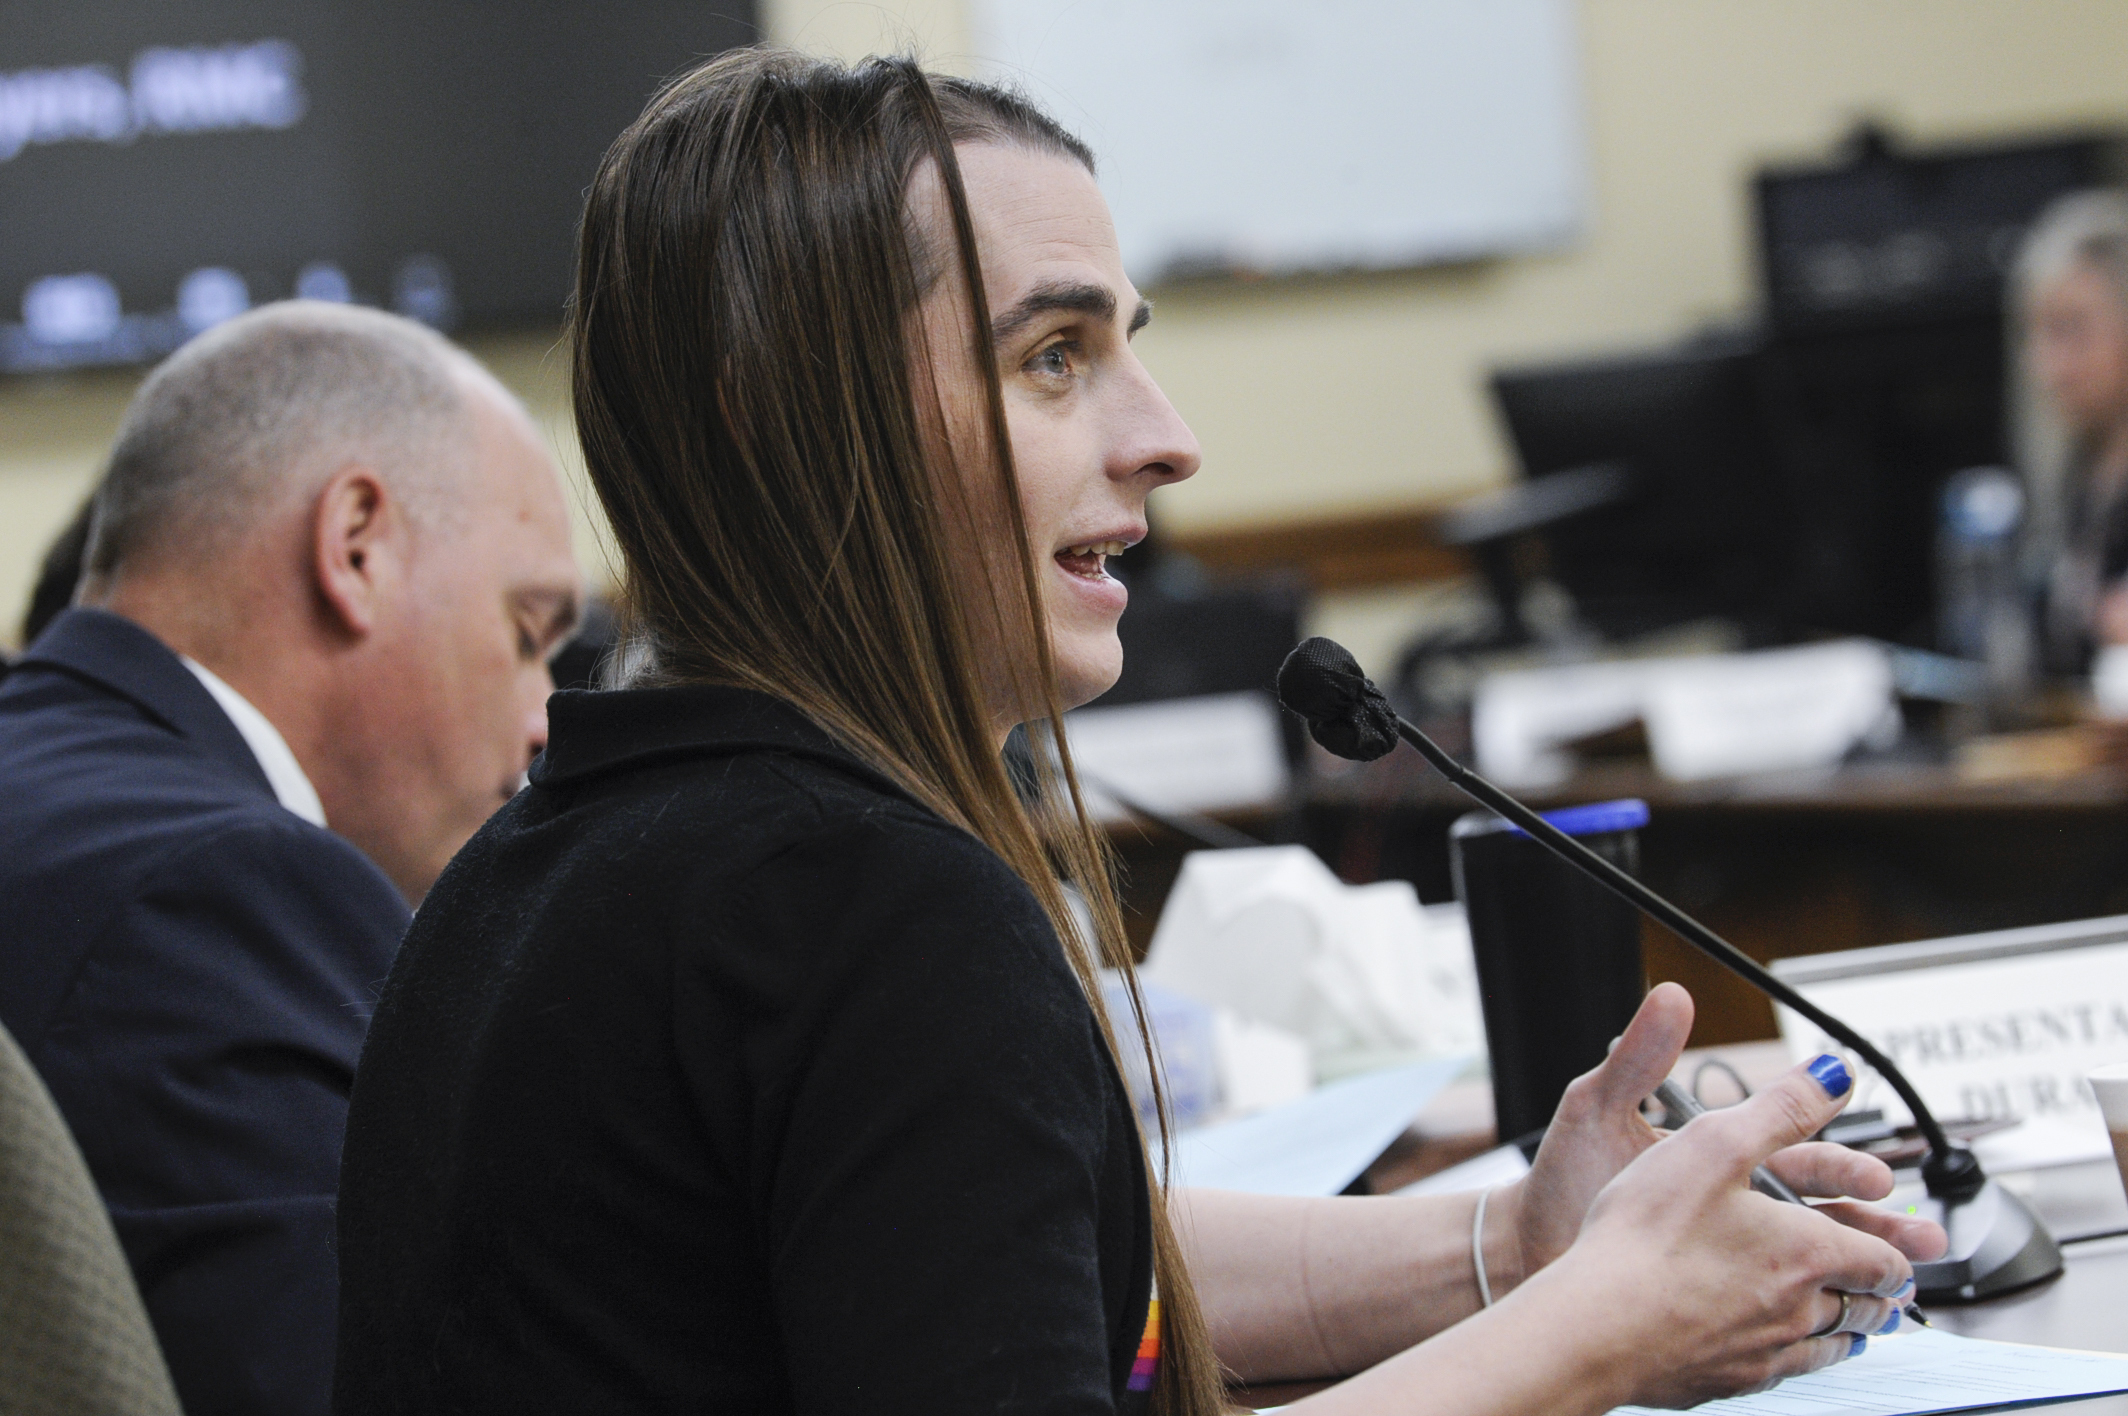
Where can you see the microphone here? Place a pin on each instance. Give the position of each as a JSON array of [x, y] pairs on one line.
[[1997, 1243]]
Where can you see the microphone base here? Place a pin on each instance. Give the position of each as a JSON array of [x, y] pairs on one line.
[[1997, 1244]]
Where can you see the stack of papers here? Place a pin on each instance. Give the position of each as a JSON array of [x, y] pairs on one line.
[[1317, 1145], [1922, 1372]]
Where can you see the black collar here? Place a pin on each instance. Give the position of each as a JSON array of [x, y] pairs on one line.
[[590, 733], [117, 655]]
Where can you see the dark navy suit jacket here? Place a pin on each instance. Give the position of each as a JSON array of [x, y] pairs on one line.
[[192, 968]]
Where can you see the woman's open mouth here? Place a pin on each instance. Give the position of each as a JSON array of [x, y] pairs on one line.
[[1091, 560]]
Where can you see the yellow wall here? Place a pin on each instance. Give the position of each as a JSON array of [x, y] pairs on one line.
[[1346, 394], [1351, 393], [1329, 395]]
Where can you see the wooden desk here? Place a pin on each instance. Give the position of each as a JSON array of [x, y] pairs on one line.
[[1798, 863]]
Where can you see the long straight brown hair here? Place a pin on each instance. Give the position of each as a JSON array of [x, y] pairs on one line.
[[762, 420]]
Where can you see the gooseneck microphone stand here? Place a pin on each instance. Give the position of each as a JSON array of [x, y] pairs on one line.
[[1996, 1242]]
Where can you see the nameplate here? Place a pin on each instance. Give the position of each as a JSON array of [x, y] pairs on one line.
[[1986, 1026]]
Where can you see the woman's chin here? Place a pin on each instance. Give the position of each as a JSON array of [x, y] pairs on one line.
[[1087, 667]]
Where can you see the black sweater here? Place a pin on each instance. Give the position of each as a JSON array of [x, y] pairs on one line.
[[717, 1075]]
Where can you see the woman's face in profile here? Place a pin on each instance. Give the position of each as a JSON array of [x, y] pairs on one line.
[[2078, 328], [1091, 432]]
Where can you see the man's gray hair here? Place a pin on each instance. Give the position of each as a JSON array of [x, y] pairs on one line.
[[263, 410]]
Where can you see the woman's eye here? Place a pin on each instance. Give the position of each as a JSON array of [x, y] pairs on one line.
[[1054, 360], [527, 645]]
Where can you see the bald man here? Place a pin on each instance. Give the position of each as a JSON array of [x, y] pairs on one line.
[[328, 560]]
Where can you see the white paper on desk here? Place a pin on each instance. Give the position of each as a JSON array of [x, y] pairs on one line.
[[2041, 1143], [1731, 714], [1503, 1165], [1915, 1373], [1317, 1145]]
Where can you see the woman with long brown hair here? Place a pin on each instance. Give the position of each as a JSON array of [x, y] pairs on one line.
[[753, 1060]]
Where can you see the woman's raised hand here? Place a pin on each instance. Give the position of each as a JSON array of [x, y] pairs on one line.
[[1596, 1132]]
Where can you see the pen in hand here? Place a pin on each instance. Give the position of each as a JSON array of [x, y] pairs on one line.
[[1680, 1102]]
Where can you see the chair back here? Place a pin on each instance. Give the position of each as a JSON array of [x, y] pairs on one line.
[[74, 1337]]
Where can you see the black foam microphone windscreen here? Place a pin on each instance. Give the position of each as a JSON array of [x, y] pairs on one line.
[[1345, 712]]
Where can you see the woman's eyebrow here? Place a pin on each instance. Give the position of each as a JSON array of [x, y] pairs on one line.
[[1082, 297]]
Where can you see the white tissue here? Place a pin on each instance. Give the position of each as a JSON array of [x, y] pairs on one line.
[[1364, 974], [1260, 1066]]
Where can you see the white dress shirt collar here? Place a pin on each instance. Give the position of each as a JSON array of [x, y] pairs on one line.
[[283, 773]]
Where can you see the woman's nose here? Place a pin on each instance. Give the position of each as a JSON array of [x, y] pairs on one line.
[[1161, 444]]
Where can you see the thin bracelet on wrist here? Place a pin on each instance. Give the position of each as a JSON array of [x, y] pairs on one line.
[[1477, 1249]]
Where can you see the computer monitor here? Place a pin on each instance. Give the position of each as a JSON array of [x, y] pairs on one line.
[[1703, 531], [1889, 234], [1224, 639], [1870, 424], [165, 166], [1884, 277]]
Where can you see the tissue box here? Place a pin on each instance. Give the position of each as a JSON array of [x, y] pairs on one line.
[[1364, 974], [1217, 1066]]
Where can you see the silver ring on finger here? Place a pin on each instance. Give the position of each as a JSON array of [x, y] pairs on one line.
[[1847, 1304]]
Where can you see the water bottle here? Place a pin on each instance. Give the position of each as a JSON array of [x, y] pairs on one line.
[[1558, 955], [1984, 614], [1187, 1038]]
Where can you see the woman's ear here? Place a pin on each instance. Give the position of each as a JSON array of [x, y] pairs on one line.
[[357, 544]]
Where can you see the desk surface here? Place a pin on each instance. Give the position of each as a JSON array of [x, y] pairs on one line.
[[1782, 864], [2086, 1307], [1871, 788]]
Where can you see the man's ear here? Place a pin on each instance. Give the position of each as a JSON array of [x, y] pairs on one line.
[[358, 532]]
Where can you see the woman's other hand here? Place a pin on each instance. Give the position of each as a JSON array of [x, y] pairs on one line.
[[1596, 1132], [1722, 1289]]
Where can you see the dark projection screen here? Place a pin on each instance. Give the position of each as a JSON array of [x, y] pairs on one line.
[[167, 163]]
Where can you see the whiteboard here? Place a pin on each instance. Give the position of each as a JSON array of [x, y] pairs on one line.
[[1278, 136]]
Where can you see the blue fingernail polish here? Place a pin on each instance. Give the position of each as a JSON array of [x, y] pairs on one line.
[[1891, 1324], [1831, 1073], [1857, 1344], [1906, 1291]]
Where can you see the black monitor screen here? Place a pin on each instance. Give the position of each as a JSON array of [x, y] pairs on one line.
[[1701, 532], [1895, 235], [167, 163]]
